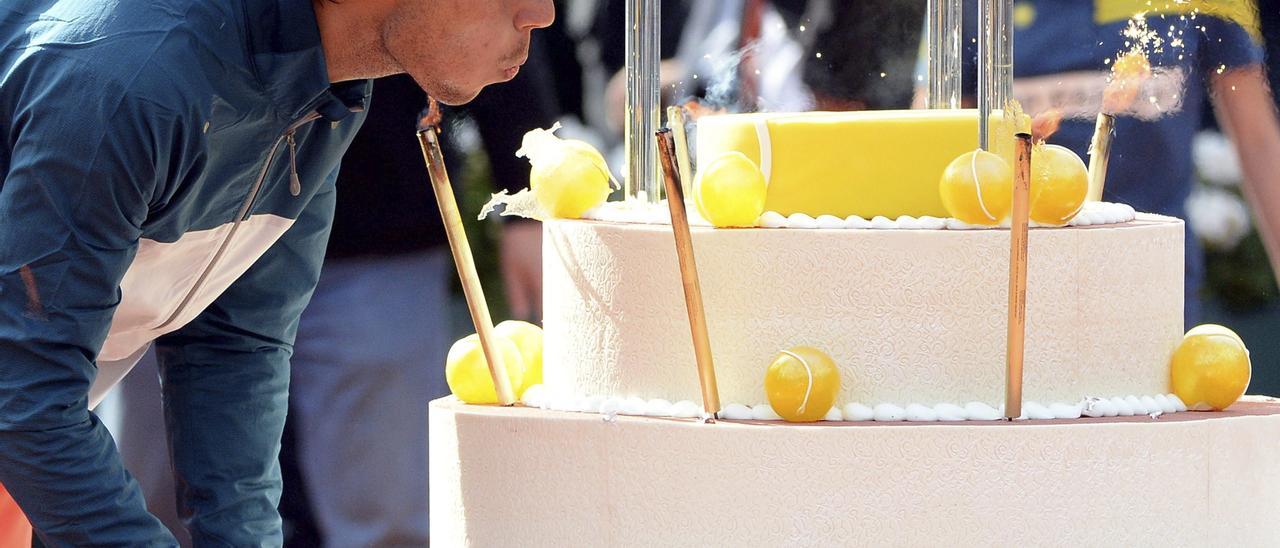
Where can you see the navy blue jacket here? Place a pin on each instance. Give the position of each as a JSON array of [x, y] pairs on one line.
[[166, 174]]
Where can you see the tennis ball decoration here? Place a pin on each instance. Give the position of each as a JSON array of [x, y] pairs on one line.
[[802, 384], [567, 177], [528, 340], [1059, 184], [977, 188], [1210, 369], [467, 371], [730, 191]]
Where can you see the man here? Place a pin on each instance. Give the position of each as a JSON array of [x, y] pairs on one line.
[[168, 176]]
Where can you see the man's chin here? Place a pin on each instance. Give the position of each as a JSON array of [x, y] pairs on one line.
[[453, 97], [449, 93]]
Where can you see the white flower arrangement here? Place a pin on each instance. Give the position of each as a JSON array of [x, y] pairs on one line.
[[1220, 217], [1216, 159]]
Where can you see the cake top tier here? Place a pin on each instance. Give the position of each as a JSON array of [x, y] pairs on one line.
[[869, 163]]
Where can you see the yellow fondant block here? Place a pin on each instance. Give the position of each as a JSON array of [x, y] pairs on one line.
[[865, 163]]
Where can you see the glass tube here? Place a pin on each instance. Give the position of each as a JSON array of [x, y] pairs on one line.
[[944, 35], [995, 63], [643, 110]]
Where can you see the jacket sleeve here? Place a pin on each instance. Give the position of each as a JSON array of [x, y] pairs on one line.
[[79, 172], [226, 378]]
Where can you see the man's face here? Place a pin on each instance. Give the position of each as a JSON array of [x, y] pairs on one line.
[[454, 48]]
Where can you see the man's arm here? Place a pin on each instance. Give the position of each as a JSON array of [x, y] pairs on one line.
[[77, 181], [1247, 113], [225, 378]]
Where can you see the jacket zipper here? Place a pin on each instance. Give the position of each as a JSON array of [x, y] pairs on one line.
[[295, 188]]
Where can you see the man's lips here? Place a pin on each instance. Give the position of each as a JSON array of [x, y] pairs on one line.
[[514, 68]]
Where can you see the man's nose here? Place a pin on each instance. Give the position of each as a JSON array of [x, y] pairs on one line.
[[535, 14]]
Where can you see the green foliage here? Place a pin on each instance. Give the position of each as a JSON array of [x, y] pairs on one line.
[[1241, 279]]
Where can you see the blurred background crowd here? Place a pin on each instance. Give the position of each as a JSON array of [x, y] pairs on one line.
[[371, 346]]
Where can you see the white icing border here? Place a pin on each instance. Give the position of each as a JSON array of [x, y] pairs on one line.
[[1091, 214], [1119, 406]]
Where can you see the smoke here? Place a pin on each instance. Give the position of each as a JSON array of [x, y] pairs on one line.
[[723, 78]]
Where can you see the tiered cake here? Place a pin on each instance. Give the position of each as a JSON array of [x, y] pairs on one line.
[[612, 451]]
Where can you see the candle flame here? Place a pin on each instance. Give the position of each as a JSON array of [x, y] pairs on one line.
[[432, 117], [697, 110], [1129, 72], [1045, 124]]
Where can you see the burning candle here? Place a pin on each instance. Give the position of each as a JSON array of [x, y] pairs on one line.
[[1128, 73], [429, 139]]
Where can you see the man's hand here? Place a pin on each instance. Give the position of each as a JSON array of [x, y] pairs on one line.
[[521, 262], [1247, 112]]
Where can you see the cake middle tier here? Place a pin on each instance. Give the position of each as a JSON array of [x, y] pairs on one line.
[[909, 316]]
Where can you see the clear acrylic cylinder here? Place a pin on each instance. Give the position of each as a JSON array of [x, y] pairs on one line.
[[643, 108]]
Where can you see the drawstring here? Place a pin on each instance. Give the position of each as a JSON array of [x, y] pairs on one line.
[[295, 183]]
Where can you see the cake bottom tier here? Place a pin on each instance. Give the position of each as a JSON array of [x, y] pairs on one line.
[[527, 477]]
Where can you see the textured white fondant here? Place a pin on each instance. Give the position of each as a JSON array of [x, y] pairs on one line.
[[907, 315], [502, 476]]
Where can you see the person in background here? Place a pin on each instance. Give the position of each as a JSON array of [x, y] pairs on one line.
[[859, 55], [1062, 55]]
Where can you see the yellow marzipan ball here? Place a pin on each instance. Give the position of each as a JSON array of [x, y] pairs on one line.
[[802, 384], [977, 188], [730, 191], [528, 339], [467, 371], [568, 178], [1210, 369], [1059, 184]]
